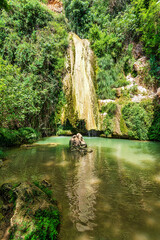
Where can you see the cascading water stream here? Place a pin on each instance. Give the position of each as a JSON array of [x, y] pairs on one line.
[[79, 84]]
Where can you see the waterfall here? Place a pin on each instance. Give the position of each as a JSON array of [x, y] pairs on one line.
[[79, 82]]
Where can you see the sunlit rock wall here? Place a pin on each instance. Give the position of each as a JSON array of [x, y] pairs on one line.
[[55, 5]]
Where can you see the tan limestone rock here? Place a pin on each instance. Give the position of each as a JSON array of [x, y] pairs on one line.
[[55, 5], [140, 65]]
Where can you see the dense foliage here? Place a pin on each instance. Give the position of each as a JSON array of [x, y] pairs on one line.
[[154, 131], [2, 154], [33, 41], [4, 5], [138, 118], [9, 137]]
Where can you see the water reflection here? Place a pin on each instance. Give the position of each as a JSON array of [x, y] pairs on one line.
[[81, 189]]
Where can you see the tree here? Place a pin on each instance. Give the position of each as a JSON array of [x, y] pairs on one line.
[[4, 4], [79, 15]]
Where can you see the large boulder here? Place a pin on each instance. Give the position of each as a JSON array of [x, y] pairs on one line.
[[137, 50], [118, 92], [141, 65], [77, 142]]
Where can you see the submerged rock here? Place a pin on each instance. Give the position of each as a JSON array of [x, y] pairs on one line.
[[28, 146]]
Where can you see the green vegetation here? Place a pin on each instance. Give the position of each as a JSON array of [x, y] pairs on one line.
[[33, 42], [138, 118], [8, 193], [62, 132], [4, 4], [110, 109], [17, 137], [2, 154], [154, 131], [108, 123], [46, 190], [123, 127], [12, 232], [46, 223]]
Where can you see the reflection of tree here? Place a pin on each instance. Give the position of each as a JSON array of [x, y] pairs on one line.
[[81, 191]]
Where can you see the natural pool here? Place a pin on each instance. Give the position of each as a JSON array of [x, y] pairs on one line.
[[112, 193]]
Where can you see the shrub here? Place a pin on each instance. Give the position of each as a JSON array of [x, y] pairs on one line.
[[110, 109], [4, 4], [2, 154], [9, 137], [106, 77], [154, 131], [138, 120], [79, 15], [16, 137], [108, 125], [28, 16], [28, 135]]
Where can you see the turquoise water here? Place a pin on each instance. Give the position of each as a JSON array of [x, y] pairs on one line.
[[112, 193]]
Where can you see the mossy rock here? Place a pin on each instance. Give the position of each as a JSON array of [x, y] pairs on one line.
[[123, 127], [35, 215], [62, 132]]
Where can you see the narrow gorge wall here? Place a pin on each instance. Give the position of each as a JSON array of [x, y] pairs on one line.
[[79, 83]]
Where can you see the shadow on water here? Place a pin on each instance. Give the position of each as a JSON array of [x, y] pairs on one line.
[[112, 193]]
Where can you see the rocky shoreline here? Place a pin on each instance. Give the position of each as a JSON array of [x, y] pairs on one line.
[[28, 210]]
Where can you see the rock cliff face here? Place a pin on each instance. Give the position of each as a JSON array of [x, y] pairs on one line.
[[79, 85], [55, 5]]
